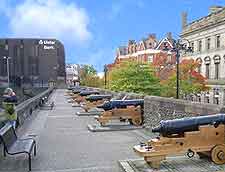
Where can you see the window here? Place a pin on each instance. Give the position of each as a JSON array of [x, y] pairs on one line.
[[33, 66], [150, 59], [217, 66], [200, 46], [36, 50], [21, 56], [208, 43], [218, 41], [192, 46], [6, 45], [217, 71], [207, 71], [58, 52], [223, 97], [21, 44]]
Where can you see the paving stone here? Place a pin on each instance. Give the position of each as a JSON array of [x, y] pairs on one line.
[[123, 127], [172, 164]]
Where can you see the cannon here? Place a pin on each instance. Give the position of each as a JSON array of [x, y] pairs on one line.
[[123, 110], [121, 104], [202, 135], [81, 96], [95, 100], [87, 93], [78, 90]]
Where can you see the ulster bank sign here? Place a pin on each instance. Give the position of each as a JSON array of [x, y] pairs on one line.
[[47, 44]]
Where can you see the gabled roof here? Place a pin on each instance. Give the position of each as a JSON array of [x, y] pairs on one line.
[[162, 41]]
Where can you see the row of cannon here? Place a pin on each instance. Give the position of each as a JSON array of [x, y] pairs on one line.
[[202, 135], [123, 110]]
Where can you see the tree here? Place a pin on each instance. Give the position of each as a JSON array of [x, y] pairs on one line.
[[88, 77], [135, 77], [191, 81]]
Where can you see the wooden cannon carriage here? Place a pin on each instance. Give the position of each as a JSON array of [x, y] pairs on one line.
[[122, 110], [93, 101], [203, 135]]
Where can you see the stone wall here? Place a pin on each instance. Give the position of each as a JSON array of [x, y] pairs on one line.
[[25, 109], [160, 108]]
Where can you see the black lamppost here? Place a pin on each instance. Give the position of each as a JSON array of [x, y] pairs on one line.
[[105, 72], [179, 47]]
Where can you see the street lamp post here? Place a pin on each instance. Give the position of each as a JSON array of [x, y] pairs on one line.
[[177, 73], [105, 72], [177, 47], [8, 69]]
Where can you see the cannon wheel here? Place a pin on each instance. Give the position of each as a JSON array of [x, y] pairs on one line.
[[218, 154], [136, 121]]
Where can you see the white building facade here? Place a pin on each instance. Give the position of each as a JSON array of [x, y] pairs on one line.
[[72, 74], [206, 36]]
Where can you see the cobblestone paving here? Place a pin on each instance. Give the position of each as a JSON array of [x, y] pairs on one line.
[[66, 145]]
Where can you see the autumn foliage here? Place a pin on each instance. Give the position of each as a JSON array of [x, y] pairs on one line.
[[191, 81]]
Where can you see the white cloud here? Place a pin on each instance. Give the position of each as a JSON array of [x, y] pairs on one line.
[[49, 18]]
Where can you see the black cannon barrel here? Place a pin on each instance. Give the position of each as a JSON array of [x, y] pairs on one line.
[[93, 98], [78, 90], [179, 126], [87, 93], [121, 104]]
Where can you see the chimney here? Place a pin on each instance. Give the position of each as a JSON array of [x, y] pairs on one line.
[[184, 19], [214, 9], [152, 36], [169, 35], [131, 42]]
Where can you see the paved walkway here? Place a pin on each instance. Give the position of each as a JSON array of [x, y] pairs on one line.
[[65, 144]]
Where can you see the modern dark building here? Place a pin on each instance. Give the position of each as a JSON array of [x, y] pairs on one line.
[[32, 61]]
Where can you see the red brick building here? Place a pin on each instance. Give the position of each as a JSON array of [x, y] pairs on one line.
[[148, 50]]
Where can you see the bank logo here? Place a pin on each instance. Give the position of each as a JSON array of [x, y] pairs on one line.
[[41, 42]]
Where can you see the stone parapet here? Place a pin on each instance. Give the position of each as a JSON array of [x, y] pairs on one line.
[[160, 108], [25, 109]]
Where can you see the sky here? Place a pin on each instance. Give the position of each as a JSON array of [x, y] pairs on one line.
[[91, 30]]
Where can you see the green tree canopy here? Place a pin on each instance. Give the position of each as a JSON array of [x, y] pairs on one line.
[[135, 77], [88, 76]]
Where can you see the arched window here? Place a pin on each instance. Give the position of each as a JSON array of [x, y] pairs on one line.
[[216, 59], [207, 65]]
